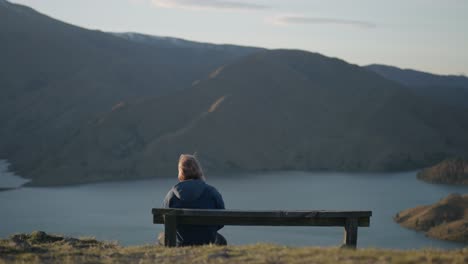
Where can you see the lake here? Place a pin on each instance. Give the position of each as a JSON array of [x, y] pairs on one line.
[[121, 211]]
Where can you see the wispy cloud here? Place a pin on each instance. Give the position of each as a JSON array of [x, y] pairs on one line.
[[297, 19], [209, 4]]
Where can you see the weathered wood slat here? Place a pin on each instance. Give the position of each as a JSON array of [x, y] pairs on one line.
[[351, 231], [241, 213], [170, 230], [261, 221]]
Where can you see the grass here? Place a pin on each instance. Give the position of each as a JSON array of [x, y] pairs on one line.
[[39, 247]]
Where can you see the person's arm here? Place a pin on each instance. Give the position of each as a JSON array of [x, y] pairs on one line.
[[167, 199], [219, 202]]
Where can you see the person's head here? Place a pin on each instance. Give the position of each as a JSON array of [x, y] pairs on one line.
[[189, 168]]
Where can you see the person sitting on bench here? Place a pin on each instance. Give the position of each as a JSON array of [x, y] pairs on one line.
[[194, 193]]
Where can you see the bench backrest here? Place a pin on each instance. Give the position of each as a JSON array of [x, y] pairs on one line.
[[262, 218], [350, 220]]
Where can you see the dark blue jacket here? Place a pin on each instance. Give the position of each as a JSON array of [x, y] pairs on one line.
[[194, 194]]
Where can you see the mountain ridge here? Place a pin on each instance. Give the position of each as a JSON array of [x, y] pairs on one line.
[[77, 74], [273, 110], [183, 43], [413, 77], [93, 106], [449, 90]]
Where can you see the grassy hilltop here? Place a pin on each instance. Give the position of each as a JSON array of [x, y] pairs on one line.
[[39, 247]]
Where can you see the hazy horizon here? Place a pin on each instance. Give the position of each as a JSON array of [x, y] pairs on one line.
[[421, 35]]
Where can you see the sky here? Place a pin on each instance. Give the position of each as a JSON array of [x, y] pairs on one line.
[[427, 35]]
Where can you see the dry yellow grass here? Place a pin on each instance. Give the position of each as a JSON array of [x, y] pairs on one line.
[[29, 249]]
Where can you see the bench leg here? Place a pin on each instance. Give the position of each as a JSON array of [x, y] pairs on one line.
[[170, 232], [350, 234]]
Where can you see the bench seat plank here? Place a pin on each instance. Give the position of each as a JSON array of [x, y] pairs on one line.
[[262, 221], [269, 213]]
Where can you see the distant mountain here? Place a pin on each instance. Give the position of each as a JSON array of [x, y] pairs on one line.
[[418, 78], [79, 106], [164, 42], [274, 110], [55, 76], [450, 90]]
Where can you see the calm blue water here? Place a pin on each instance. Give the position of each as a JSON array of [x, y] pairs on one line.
[[7, 178], [121, 211]]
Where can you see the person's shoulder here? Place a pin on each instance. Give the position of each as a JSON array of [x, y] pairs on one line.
[[216, 195], [170, 193], [169, 198], [212, 189]]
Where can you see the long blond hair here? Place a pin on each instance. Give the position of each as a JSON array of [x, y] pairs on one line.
[[190, 168]]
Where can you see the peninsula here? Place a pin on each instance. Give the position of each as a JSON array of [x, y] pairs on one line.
[[450, 171], [446, 219]]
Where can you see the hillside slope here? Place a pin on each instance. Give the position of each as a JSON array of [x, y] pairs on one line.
[[275, 110], [411, 77], [80, 106], [450, 90], [55, 76]]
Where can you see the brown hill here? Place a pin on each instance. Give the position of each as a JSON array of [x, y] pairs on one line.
[[446, 219], [450, 171], [81, 105], [275, 110], [55, 76]]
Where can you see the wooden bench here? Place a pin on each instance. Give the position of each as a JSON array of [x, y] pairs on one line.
[[350, 220]]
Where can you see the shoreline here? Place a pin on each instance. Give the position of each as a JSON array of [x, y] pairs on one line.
[[8, 179], [128, 204], [5, 189], [226, 174]]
